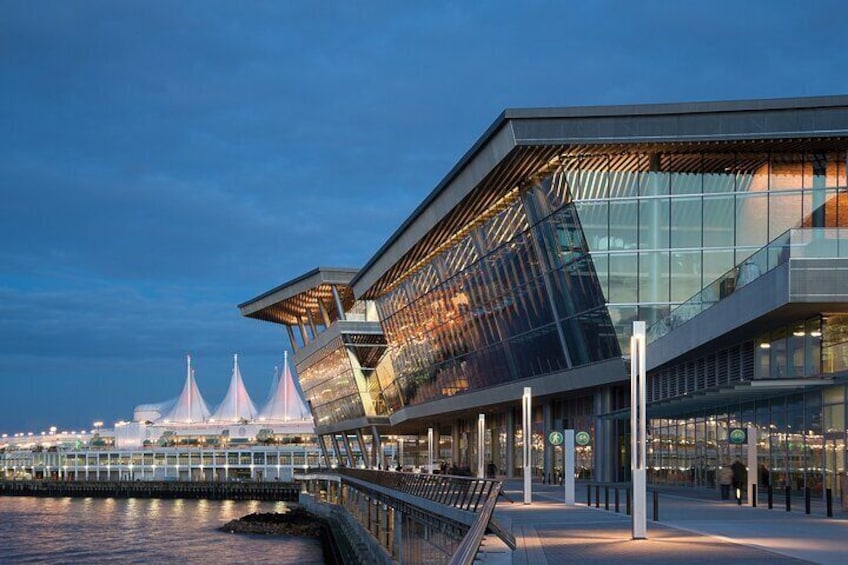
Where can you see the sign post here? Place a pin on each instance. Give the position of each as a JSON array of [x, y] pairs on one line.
[[638, 429], [568, 466]]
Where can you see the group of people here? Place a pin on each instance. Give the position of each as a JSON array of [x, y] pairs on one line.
[[735, 476]]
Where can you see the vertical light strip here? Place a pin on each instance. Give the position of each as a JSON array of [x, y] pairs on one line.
[[429, 450], [638, 428], [481, 446], [525, 420]]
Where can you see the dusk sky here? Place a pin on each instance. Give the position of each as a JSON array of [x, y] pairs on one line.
[[162, 162]]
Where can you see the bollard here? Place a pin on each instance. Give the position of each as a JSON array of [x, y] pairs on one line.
[[753, 496], [770, 497], [739, 496], [606, 498], [806, 500], [629, 501], [788, 500], [616, 500], [588, 495], [656, 506], [597, 496], [829, 499]]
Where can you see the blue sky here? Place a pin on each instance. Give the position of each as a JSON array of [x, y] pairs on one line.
[[162, 162]]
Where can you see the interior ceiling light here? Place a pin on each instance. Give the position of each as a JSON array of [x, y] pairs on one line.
[[765, 345]]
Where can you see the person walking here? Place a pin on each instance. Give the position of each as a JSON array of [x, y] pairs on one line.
[[725, 479], [739, 473]]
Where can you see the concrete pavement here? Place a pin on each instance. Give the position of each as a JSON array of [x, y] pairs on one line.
[[693, 527]]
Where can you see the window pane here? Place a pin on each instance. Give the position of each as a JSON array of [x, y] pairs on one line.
[[622, 277], [685, 275], [784, 212], [686, 222], [718, 221], [623, 225], [751, 230], [654, 223], [653, 277]]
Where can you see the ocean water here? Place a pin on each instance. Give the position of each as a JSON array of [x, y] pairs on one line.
[[99, 531]]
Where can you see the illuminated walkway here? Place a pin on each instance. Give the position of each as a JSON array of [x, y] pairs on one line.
[[690, 530]]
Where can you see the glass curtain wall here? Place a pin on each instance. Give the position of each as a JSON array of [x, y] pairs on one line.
[[514, 296], [662, 226], [801, 442]]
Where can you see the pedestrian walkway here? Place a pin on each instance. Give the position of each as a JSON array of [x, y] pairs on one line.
[[690, 530]]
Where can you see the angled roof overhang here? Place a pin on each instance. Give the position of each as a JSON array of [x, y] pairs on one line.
[[521, 143], [293, 301]]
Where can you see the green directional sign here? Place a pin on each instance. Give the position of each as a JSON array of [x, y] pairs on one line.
[[582, 438], [738, 436], [555, 438]]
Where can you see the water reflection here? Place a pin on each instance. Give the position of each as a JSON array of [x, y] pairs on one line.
[[100, 531]]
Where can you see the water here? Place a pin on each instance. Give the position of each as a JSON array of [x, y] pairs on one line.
[[100, 531]]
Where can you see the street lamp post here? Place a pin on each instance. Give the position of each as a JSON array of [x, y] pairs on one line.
[[638, 430]]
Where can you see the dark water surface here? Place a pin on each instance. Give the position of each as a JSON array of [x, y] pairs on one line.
[[98, 531]]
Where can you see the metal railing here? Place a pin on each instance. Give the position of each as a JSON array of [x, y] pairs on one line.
[[457, 509]]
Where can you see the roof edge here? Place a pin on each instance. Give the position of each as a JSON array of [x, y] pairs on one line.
[[308, 274]]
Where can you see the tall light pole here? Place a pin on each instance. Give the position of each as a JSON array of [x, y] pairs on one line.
[[481, 446], [429, 450], [638, 430], [526, 407]]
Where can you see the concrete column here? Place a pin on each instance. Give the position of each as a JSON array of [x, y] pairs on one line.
[[547, 449], [510, 443]]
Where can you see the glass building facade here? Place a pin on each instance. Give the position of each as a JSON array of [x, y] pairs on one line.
[[559, 228], [553, 275]]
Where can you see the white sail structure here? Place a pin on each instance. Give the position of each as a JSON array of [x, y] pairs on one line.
[[189, 407], [284, 404], [237, 404]]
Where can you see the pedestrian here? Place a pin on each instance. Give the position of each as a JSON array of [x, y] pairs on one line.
[[739, 473], [725, 479]]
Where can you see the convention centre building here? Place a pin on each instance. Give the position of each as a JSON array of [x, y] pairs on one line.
[[719, 224]]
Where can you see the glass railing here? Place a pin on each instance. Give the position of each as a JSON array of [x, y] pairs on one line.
[[807, 243]]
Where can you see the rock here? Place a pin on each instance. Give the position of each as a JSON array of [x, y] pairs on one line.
[[295, 522]]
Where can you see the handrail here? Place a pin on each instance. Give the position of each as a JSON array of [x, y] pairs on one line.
[[466, 500], [467, 550]]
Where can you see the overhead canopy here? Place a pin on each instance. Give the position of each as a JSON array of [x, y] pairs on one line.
[[189, 407], [295, 301]]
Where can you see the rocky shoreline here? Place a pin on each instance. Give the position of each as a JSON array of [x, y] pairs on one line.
[[295, 522]]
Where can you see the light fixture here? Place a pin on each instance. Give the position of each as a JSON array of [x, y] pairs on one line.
[[765, 345], [799, 333]]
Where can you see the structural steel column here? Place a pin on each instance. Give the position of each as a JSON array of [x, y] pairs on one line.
[[294, 344], [336, 449], [494, 428], [338, 300], [348, 450], [363, 449], [510, 443], [303, 333], [604, 453], [377, 446], [323, 447], [455, 442], [547, 448], [324, 314]]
